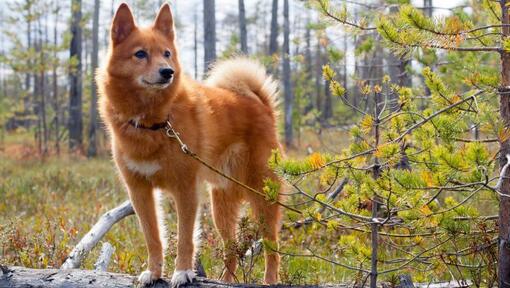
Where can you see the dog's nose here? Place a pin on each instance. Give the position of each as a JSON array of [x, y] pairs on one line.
[[166, 73]]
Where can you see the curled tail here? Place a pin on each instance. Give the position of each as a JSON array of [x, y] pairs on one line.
[[246, 77]]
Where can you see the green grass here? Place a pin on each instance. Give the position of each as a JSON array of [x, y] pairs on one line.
[[48, 205]]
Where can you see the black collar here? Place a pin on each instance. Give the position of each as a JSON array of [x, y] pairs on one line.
[[154, 127]]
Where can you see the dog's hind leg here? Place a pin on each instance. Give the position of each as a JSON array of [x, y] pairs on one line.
[[269, 216], [225, 210]]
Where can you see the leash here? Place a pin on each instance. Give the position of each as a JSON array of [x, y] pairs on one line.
[[172, 134]]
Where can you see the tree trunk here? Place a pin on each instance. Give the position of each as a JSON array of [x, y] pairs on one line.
[[92, 151], [288, 99], [273, 36], [318, 76], [504, 202], [42, 79], [242, 28], [398, 66], [308, 49], [36, 102], [195, 44], [209, 34], [56, 104], [17, 277], [75, 125], [328, 109], [428, 10], [26, 100]]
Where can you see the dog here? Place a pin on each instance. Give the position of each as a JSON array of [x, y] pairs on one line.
[[229, 120]]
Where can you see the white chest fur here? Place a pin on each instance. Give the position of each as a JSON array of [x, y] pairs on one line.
[[145, 168]]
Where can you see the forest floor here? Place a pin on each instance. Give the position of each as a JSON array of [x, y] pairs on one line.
[[49, 204]]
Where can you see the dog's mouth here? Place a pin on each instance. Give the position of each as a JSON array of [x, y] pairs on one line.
[[158, 84]]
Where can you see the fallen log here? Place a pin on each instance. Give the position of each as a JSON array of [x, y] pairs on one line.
[[17, 277]]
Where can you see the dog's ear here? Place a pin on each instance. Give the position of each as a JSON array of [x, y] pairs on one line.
[[123, 24], [165, 22]]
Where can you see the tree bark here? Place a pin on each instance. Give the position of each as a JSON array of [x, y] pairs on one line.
[[18, 277], [195, 44], [27, 100], [209, 34], [56, 104], [318, 76], [327, 111], [288, 98], [42, 79], [429, 11], [92, 150], [242, 28], [75, 124], [504, 204], [273, 36], [397, 66]]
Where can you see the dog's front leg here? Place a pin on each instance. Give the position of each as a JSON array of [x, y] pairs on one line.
[[141, 194], [186, 203]]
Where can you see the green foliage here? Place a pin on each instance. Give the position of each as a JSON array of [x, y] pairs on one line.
[[271, 190]]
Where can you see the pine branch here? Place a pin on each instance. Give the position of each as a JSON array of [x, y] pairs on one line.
[[425, 120], [328, 13]]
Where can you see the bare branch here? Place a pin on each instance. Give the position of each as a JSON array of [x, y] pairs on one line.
[[104, 257], [90, 240]]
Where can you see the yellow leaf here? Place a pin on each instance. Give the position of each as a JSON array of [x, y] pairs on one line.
[[425, 210], [316, 160], [456, 98], [427, 177], [366, 123], [503, 134]]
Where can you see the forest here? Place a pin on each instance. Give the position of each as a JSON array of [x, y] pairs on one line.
[[394, 116]]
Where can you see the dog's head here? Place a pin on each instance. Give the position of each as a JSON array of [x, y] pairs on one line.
[[144, 56]]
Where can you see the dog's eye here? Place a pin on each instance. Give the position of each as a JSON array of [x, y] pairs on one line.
[[167, 54], [140, 54]]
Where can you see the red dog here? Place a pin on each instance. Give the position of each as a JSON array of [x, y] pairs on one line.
[[229, 121]]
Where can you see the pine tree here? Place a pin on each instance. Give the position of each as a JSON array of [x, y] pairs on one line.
[[415, 177], [209, 34], [92, 149], [75, 124], [288, 98]]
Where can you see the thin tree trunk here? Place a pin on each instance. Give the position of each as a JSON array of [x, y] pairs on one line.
[[36, 102], [43, 89], [273, 36], [56, 104], [427, 5], [504, 202], [398, 66], [75, 92], [288, 98], [328, 109], [209, 34], [344, 74], [92, 151], [374, 227], [242, 28], [318, 76], [195, 44], [29, 62]]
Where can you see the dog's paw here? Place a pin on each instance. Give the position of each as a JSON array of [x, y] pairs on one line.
[[182, 277], [147, 278]]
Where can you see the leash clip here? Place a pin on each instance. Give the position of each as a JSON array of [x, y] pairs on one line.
[[170, 132]]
